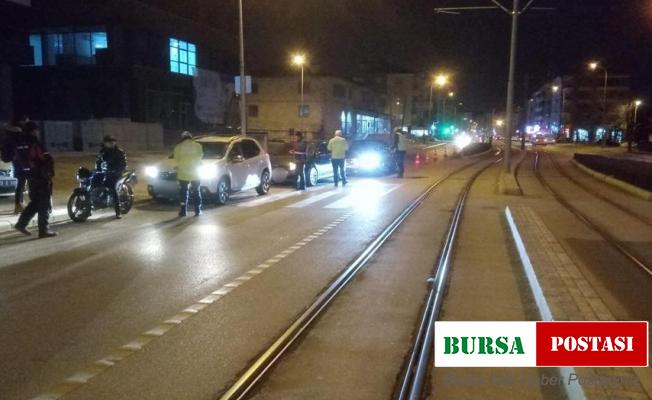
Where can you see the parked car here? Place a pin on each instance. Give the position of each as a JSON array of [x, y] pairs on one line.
[[284, 168], [544, 140], [231, 164], [370, 157], [7, 181]]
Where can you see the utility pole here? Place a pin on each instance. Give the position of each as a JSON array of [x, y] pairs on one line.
[[515, 13], [243, 85]]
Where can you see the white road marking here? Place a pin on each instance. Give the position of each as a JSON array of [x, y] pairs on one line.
[[359, 196], [314, 199], [99, 366], [276, 197]]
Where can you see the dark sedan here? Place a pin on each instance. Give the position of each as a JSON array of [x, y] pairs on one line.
[[284, 168], [370, 157]]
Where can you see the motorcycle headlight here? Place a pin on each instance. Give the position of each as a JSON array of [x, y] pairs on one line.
[[207, 172], [151, 171], [370, 161], [292, 166]]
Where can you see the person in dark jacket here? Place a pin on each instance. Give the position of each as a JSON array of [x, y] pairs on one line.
[[112, 160], [300, 152], [39, 167], [13, 138]]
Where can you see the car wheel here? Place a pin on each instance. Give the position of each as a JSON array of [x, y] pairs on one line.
[[313, 176], [223, 191], [263, 188]]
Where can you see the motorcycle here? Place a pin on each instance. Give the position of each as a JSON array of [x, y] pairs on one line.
[[92, 194]]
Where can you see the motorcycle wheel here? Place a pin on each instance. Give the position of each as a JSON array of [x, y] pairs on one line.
[[126, 198], [79, 207]]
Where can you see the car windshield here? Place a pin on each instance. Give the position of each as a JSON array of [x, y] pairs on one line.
[[214, 150], [279, 148]]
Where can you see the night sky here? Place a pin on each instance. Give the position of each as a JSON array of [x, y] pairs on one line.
[[406, 35]]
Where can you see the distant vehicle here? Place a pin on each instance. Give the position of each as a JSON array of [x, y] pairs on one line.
[[93, 195], [7, 181], [370, 157], [231, 164], [284, 168], [543, 140]]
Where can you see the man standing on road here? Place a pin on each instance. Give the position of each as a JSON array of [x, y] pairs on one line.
[[188, 155], [112, 160], [300, 151], [14, 138], [39, 168], [400, 147], [338, 147]]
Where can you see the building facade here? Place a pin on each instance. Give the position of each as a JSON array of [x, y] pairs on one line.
[[571, 107], [329, 103], [123, 60]]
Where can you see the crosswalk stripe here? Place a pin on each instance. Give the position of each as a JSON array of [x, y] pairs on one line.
[[351, 200], [276, 197], [314, 199]]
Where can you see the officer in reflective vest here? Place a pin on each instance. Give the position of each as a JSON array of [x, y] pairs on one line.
[[300, 157], [400, 147]]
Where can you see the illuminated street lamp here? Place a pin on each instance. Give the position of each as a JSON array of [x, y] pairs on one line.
[[440, 80], [637, 104], [594, 66], [555, 89], [451, 94], [300, 60], [500, 123]]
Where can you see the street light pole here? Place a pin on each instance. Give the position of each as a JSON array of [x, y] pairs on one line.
[[243, 86], [510, 88], [300, 60]]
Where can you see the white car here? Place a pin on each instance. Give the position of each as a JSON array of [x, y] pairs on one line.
[[230, 164], [7, 181]]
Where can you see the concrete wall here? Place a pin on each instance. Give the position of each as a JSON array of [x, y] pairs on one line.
[[88, 135]]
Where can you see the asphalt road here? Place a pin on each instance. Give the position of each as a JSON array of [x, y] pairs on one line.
[[70, 301]]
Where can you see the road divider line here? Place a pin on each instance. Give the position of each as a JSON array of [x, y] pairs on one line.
[[97, 367]]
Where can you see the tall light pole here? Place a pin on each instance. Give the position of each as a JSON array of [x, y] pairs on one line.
[[300, 60], [593, 66], [515, 12], [243, 86], [637, 104]]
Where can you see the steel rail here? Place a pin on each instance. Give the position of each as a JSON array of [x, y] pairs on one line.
[[273, 353], [597, 194], [588, 222], [415, 370]]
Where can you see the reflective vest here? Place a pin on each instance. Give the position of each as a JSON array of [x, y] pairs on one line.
[[188, 155]]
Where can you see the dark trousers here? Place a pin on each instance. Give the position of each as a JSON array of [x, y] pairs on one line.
[[40, 191], [110, 181], [195, 194], [339, 170], [20, 186], [301, 175], [400, 163]]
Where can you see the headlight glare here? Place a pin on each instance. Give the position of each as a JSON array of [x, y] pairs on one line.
[[207, 172], [292, 166], [151, 171]]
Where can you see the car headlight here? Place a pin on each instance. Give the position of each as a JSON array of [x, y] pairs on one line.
[[292, 166], [207, 172], [462, 140], [369, 161], [151, 171]]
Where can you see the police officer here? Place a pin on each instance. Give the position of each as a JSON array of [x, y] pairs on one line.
[[39, 167], [300, 156], [338, 147], [400, 147], [188, 155], [112, 160]]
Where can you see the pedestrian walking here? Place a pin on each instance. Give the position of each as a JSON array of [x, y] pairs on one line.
[[338, 146], [39, 167], [112, 160], [400, 147], [300, 151], [12, 140], [188, 155]]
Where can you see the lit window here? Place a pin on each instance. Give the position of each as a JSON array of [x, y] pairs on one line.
[[68, 46], [183, 57], [37, 48]]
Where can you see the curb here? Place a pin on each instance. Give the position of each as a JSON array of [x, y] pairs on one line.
[[574, 391], [622, 185]]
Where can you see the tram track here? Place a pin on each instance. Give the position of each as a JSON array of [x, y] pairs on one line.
[[247, 380], [606, 236]]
